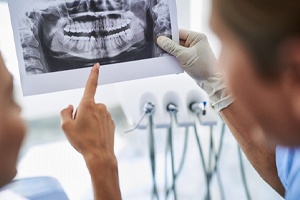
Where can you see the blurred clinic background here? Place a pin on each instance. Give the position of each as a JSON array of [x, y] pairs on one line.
[[46, 151]]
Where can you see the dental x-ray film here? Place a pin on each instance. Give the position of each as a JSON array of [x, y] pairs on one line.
[[58, 41]]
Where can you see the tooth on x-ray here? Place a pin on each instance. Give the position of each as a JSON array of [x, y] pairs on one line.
[[77, 33], [97, 35], [109, 30]]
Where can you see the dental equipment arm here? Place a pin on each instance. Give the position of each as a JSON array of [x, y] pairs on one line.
[[91, 132], [198, 61]]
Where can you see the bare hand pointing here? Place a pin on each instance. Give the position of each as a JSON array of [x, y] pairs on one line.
[[91, 132]]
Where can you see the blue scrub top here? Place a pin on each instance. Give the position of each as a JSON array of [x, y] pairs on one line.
[[288, 167]]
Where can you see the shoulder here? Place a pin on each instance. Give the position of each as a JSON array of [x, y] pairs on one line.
[[8, 194], [288, 167], [293, 192]]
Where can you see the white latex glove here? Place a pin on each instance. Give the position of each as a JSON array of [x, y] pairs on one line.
[[198, 61]]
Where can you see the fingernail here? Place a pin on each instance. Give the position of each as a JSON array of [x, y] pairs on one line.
[[70, 106], [159, 39], [97, 65]]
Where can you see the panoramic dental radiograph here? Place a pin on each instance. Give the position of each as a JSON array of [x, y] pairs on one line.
[[59, 35]]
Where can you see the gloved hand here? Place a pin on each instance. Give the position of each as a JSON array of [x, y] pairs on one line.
[[199, 62]]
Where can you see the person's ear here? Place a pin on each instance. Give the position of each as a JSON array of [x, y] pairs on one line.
[[290, 60]]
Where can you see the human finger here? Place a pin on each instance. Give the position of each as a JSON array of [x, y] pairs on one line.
[[66, 116], [190, 38], [92, 83], [183, 34], [169, 45]]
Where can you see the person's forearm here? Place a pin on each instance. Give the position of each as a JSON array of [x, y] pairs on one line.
[[259, 152], [105, 178]]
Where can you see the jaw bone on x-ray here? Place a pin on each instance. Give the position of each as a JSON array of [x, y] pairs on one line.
[[59, 35]]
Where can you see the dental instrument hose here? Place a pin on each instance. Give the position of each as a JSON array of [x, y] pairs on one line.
[[213, 155], [216, 155], [172, 109], [208, 196], [152, 157], [181, 163], [217, 158]]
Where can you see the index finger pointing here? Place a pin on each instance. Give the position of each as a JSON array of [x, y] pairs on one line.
[[92, 83]]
